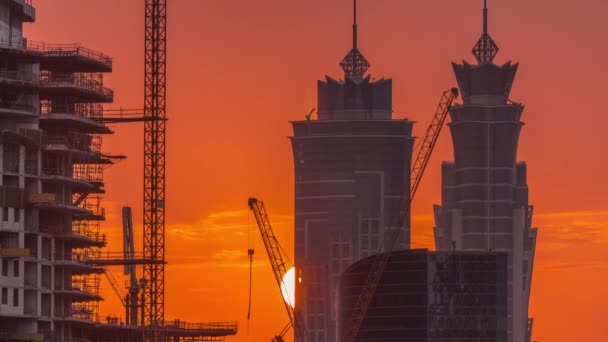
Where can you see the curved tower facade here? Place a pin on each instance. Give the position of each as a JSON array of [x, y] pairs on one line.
[[351, 170], [484, 190]]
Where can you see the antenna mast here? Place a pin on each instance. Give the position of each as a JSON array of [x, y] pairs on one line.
[[485, 50], [354, 64]]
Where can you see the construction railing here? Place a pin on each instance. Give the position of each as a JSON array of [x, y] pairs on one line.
[[87, 81], [82, 255], [54, 171], [80, 141], [57, 50], [80, 228], [178, 324], [87, 284], [89, 230], [76, 50], [84, 311], [92, 203], [92, 173], [92, 111]]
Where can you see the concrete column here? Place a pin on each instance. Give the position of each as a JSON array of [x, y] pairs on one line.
[[1, 162], [22, 167]]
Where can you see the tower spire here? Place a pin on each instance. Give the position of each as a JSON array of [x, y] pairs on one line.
[[355, 26], [485, 50], [485, 16], [354, 64]]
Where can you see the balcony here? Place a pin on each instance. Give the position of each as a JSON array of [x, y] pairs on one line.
[[97, 213], [87, 87], [50, 202], [81, 117], [81, 291], [86, 147], [92, 173], [60, 175], [78, 262], [70, 58], [81, 234]]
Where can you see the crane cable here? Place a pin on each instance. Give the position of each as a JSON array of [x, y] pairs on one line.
[[250, 252]]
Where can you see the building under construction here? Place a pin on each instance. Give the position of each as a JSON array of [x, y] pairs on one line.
[[429, 297], [351, 173], [51, 186]]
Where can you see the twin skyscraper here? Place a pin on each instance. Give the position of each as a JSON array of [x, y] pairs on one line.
[[352, 172]]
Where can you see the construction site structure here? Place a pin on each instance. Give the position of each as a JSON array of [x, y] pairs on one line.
[[351, 165], [484, 190], [281, 263], [51, 187], [427, 296], [52, 181]]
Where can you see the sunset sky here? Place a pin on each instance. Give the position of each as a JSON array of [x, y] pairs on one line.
[[239, 70]]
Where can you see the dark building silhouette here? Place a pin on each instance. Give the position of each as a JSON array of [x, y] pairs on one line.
[[351, 172], [484, 190], [430, 297]]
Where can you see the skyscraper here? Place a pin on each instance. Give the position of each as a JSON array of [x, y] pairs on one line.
[[484, 190], [351, 172]]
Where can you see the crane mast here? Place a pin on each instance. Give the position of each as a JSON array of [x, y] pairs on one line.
[[425, 150], [132, 299], [279, 262], [154, 167]]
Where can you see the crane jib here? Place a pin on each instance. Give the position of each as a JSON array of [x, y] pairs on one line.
[[278, 260]]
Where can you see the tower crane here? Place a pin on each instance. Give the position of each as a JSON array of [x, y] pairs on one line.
[[425, 150], [155, 85], [154, 119], [279, 262]]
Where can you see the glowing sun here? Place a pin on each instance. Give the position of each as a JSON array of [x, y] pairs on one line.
[[288, 288]]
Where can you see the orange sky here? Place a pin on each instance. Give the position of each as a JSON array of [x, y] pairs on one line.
[[240, 70]]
